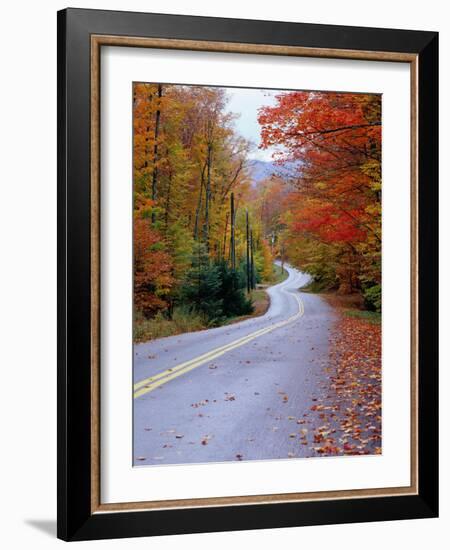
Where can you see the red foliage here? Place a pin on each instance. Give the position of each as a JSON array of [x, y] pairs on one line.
[[334, 140], [152, 268]]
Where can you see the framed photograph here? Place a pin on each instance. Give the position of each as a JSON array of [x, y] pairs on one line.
[[247, 253]]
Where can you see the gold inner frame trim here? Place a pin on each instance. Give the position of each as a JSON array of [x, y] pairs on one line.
[[97, 41]]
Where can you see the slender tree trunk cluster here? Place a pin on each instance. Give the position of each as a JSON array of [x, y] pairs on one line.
[[189, 164]]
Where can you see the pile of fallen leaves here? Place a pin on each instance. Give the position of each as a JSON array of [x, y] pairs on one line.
[[347, 416]]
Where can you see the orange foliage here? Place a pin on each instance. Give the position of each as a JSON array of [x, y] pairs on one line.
[[332, 142], [152, 268]]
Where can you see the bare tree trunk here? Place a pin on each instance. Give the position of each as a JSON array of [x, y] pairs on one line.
[[232, 238], [199, 204], [252, 263], [207, 198], [225, 237], [248, 252], [166, 213], [155, 153]]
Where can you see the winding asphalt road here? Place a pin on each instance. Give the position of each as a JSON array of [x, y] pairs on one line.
[[234, 392]]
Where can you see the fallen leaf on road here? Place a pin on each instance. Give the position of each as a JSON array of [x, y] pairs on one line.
[[351, 402], [200, 404]]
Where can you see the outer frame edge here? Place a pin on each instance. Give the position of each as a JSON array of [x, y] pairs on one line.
[[423, 505], [61, 279]]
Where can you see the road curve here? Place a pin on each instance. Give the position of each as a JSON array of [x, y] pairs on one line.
[[232, 392]]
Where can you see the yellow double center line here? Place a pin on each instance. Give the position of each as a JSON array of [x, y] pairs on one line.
[[149, 384]]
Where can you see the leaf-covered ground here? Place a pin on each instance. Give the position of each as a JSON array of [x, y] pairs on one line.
[[345, 418]]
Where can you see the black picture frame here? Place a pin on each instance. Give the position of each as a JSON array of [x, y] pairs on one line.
[[75, 518]]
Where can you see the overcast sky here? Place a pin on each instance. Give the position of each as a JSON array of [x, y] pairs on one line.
[[246, 102]]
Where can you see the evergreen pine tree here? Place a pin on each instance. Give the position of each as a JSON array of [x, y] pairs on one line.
[[201, 291], [233, 283]]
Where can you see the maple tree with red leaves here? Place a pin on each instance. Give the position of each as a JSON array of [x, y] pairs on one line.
[[332, 142], [152, 269], [322, 213]]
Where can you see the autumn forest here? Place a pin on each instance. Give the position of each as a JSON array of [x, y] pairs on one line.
[[213, 225]]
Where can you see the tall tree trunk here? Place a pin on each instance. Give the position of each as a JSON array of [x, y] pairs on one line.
[[207, 198], [167, 209], [199, 203], [225, 238], [232, 237], [252, 263], [155, 153], [248, 252]]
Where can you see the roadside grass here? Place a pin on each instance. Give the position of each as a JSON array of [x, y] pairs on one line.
[[350, 305], [183, 321], [370, 316], [160, 326]]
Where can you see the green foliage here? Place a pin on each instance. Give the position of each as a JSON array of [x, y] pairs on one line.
[[372, 298], [279, 274], [181, 244], [371, 316], [214, 290], [320, 260], [232, 291], [201, 288], [316, 285]]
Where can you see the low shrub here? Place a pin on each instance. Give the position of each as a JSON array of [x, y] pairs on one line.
[[372, 298]]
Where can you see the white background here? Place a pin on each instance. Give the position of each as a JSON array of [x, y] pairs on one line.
[[121, 482], [28, 275]]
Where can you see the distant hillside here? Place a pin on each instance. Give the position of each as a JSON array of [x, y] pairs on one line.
[[261, 170]]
